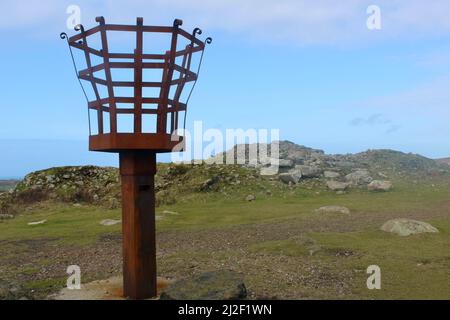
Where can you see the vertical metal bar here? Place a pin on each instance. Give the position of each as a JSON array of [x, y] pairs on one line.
[[165, 97], [138, 77], [137, 170], [94, 85], [165, 83], [105, 52], [176, 99]]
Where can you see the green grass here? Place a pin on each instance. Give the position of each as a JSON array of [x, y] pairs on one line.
[[289, 247], [65, 223], [81, 224], [300, 203], [411, 267], [415, 267]]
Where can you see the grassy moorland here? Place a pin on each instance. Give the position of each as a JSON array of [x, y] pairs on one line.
[[282, 248]]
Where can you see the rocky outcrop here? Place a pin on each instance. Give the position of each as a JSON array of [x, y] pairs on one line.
[[357, 169], [407, 227], [97, 185], [217, 285]]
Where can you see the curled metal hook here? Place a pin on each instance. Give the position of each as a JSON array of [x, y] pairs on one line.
[[63, 35], [177, 22], [208, 40], [196, 31], [79, 27]]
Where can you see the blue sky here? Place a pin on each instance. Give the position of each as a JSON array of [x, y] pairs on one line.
[[310, 68]]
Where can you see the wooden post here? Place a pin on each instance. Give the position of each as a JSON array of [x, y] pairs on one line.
[[137, 170]]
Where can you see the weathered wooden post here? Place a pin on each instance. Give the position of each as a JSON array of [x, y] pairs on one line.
[[136, 144]]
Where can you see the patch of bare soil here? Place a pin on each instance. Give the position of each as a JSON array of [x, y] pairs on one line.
[[32, 269]]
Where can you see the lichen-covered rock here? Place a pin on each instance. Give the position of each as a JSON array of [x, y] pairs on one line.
[[333, 209], [250, 197], [291, 176], [406, 227], [360, 176], [207, 184], [285, 163], [331, 174], [268, 171], [110, 222], [90, 184], [35, 223], [309, 171], [379, 185], [217, 285], [337, 186]]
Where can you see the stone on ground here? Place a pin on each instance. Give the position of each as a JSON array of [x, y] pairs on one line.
[[268, 171], [309, 171], [406, 227], [285, 163], [333, 209], [360, 176], [174, 213], [291, 177], [331, 174], [217, 285], [109, 222], [250, 197], [379, 185], [34, 223], [337, 186]]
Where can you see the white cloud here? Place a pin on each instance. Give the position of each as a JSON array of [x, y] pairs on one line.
[[421, 112], [431, 98], [376, 119], [303, 22]]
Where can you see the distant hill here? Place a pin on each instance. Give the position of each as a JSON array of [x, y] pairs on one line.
[[299, 166], [443, 161], [6, 185], [294, 154]]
